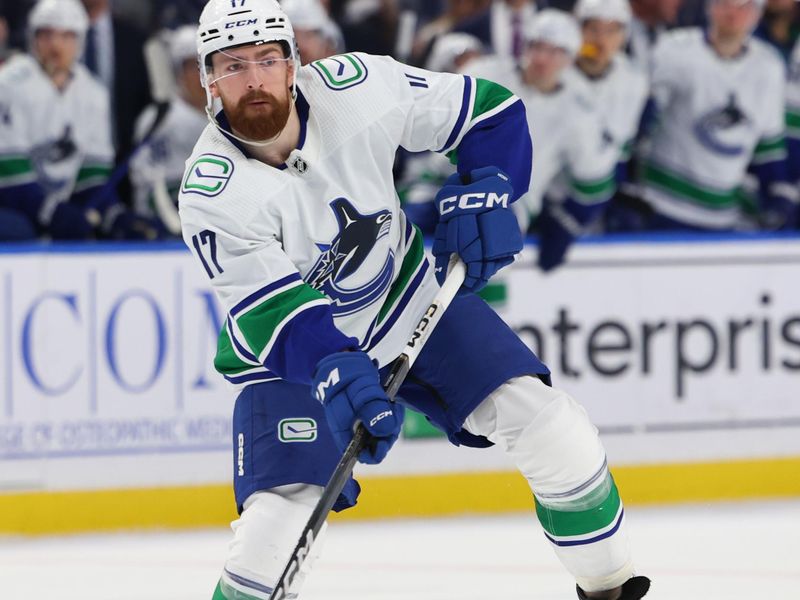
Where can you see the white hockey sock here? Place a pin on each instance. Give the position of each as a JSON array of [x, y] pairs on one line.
[[265, 535], [551, 440]]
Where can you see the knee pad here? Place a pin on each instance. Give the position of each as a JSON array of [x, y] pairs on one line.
[[265, 535], [544, 431]]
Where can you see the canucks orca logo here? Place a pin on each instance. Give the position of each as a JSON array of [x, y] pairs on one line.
[[338, 272], [712, 126], [49, 157]]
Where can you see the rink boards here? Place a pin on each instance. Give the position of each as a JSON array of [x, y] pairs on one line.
[[685, 352]]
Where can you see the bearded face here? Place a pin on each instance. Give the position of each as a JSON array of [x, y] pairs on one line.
[[259, 115], [254, 85]]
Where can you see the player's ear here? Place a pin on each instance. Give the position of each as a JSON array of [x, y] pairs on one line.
[[214, 90]]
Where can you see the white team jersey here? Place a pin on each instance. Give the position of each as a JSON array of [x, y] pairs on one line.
[[326, 229], [570, 156], [793, 95], [163, 159], [60, 139], [620, 95], [715, 117]]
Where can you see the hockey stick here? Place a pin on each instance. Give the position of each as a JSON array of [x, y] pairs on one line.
[[344, 469]]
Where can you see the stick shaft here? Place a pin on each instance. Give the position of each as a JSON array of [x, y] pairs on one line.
[[400, 368]]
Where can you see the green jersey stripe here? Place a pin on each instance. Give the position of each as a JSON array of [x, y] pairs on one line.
[[413, 259], [93, 172], [260, 323], [488, 96], [598, 190], [566, 523], [674, 184], [13, 167], [793, 118], [226, 361], [770, 145]]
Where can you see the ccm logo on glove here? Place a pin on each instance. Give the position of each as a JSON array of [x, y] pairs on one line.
[[473, 201], [380, 417]]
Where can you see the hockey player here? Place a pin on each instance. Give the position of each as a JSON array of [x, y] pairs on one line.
[[793, 115], [619, 89], [720, 98], [288, 204], [573, 164], [55, 136], [157, 168], [424, 173]]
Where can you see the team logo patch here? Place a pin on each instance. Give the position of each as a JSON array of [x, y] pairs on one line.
[[355, 268], [297, 430], [341, 72], [720, 129], [208, 176]]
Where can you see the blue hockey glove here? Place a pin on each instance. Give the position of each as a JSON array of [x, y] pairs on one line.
[[475, 224], [779, 207], [556, 233], [349, 387]]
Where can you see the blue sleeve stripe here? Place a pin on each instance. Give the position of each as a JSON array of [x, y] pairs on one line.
[[243, 352], [462, 116], [265, 291]]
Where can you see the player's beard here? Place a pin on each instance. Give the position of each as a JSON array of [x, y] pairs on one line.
[[262, 121]]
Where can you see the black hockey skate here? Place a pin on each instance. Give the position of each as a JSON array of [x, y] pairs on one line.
[[633, 589]]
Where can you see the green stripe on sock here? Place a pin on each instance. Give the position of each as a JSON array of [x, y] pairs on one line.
[[581, 520], [412, 260], [226, 592], [218, 595]]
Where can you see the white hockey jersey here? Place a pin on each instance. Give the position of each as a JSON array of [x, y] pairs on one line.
[[163, 160], [571, 157], [620, 95], [793, 112], [58, 139], [324, 235], [716, 116]]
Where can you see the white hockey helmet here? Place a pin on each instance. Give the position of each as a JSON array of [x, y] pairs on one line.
[[64, 15], [618, 11], [448, 48], [227, 24], [557, 28], [183, 45]]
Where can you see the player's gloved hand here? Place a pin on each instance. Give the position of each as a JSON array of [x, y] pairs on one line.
[[556, 233], [349, 387], [779, 208], [476, 224]]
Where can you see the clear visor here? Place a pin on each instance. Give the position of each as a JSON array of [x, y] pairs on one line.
[[265, 62]]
